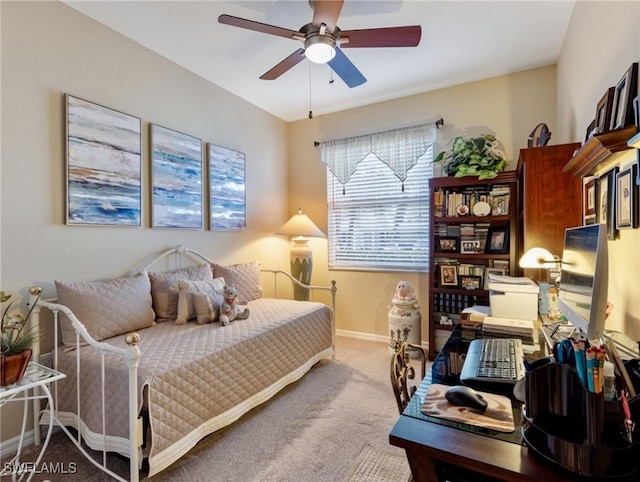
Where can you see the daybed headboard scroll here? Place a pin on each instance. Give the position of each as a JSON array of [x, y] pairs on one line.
[[181, 251]]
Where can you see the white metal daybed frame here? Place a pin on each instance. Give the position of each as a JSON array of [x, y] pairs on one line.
[[131, 354]]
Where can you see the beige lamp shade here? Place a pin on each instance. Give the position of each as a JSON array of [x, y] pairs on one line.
[[538, 258], [301, 225]]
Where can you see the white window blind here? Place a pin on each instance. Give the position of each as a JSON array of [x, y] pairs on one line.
[[375, 224]]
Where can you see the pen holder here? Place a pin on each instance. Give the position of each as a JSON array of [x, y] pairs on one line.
[[573, 427]]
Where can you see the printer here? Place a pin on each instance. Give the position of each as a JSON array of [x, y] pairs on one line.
[[513, 297]]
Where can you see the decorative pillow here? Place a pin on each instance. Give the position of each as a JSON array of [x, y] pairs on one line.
[[186, 288], [165, 301], [207, 306], [107, 308], [245, 277]]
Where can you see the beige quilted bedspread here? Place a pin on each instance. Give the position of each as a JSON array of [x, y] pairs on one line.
[[193, 376]]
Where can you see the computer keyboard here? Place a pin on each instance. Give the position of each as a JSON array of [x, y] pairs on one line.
[[493, 360]]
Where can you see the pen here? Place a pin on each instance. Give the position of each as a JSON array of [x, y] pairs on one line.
[[628, 423], [590, 369], [581, 367]]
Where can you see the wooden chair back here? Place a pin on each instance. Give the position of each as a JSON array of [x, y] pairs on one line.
[[402, 371]]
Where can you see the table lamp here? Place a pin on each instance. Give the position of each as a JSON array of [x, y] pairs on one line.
[[301, 228]]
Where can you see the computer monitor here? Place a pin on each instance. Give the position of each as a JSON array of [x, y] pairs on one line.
[[582, 295]]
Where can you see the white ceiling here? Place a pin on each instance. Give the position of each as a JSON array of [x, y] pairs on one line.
[[462, 41]]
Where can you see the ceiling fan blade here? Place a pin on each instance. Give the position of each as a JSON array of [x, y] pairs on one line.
[[256, 26], [291, 61], [408, 36], [327, 12], [348, 72]]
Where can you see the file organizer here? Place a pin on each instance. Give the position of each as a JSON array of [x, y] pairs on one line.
[[574, 428]]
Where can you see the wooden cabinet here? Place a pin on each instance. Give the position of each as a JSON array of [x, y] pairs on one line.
[[461, 248], [551, 199]]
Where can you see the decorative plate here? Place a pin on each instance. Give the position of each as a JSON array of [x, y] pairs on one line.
[[462, 210], [481, 208]]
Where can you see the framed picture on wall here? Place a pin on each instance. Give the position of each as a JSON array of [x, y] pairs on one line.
[[626, 198], [227, 198], [176, 179], [589, 198], [606, 212], [103, 165]]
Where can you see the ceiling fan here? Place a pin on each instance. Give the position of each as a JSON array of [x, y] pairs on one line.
[[323, 41]]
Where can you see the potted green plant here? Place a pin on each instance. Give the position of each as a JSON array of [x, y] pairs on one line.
[[16, 339], [479, 156]]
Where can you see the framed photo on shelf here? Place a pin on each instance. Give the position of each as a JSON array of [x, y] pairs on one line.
[[603, 113], [448, 244], [500, 204], [470, 282], [488, 271], [589, 198], [471, 246], [591, 130], [606, 213], [448, 275], [626, 198], [497, 240], [627, 86]]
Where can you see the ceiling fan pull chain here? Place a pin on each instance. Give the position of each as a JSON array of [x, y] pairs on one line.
[[310, 109]]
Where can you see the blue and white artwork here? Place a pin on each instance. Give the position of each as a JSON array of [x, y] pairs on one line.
[[104, 184], [176, 179], [227, 199]]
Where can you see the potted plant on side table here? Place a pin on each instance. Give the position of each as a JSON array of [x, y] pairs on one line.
[[16, 339], [480, 156]]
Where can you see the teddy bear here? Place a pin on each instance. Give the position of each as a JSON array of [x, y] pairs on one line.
[[404, 291], [230, 309]]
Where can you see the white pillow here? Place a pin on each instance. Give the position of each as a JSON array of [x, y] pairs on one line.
[[207, 306], [186, 288], [106, 308], [165, 300], [244, 276]]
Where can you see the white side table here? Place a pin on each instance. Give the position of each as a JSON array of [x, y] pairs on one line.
[[36, 376]]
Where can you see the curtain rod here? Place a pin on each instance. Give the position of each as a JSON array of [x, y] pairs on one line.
[[439, 123]]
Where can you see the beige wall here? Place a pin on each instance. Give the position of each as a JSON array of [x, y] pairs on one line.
[[49, 49], [509, 107], [602, 42]]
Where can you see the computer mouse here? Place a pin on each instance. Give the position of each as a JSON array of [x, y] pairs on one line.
[[464, 396]]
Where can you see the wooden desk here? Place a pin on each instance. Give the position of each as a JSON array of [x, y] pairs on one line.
[[430, 443]]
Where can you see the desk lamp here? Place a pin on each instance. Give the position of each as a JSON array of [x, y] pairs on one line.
[[301, 227], [540, 258]]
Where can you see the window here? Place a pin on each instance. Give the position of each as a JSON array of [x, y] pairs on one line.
[[377, 222]]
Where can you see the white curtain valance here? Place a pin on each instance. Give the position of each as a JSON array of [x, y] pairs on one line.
[[397, 148]]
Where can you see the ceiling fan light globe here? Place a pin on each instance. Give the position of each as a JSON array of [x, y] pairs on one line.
[[319, 50]]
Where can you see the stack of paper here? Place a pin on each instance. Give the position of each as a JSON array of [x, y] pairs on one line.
[[512, 328]]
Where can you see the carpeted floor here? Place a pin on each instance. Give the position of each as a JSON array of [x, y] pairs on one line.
[[314, 430], [379, 465]]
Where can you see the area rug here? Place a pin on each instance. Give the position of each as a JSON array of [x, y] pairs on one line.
[[378, 465]]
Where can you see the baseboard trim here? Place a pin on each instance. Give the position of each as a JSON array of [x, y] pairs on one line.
[[370, 337], [10, 447]]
